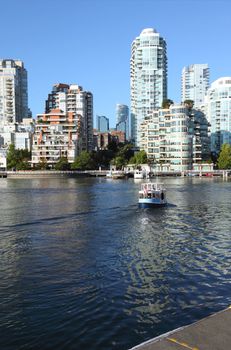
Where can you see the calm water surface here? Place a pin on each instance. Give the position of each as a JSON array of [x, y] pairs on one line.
[[81, 267]]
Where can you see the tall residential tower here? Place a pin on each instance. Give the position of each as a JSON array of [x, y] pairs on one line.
[[72, 98], [13, 91], [195, 83], [148, 77]]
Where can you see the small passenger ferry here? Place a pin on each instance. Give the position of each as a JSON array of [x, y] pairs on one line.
[[152, 194]]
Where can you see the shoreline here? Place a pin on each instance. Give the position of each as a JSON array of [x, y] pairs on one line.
[[103, 173]]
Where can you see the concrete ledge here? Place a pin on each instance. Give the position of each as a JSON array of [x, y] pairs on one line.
[[53, 173], [210, 333]]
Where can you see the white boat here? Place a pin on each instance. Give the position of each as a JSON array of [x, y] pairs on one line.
[[152, 194], [139, 174], [115, 174]]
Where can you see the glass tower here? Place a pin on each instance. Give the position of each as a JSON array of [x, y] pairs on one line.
[[148, 77], [122, 119], [102, 123], [195, 83]]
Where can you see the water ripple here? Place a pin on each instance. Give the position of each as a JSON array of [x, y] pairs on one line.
[[83, 267]]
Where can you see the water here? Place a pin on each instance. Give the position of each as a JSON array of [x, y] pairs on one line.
[[82, 267]]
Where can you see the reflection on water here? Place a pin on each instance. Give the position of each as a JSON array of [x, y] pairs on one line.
[[83, 267]]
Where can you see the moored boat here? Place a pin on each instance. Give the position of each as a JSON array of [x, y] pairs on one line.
[[152, 194], [116, 174], [139, 174]]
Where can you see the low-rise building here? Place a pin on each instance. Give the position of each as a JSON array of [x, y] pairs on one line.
[[218, 110], [18, 134], [118, 136], [174, 138], [57, 134], [102, 139]]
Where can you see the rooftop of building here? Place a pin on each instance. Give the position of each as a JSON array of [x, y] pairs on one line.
[[221, 81], [148, 31]]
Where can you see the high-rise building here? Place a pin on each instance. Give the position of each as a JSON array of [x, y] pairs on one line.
[[72, 98], [195, 83], [218, 110], [13, 91], [148, 77], [122, 119], [57, 97], [102, 123]]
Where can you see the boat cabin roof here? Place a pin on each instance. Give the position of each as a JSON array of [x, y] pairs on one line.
[[152, 186]]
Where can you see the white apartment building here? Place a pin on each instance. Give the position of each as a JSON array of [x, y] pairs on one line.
[[218, 109], [13, 91], [174, 138], [148, 77], [195, 83], [18, 134], [72, 98]]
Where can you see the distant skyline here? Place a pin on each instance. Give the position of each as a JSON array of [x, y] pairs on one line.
[[88, 42]]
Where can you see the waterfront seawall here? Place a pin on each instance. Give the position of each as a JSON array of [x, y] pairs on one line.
[[52, 173], [103, 173]]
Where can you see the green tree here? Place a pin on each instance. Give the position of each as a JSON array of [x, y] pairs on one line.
[[189, 103], [83, 162], [125, 151], [62, 164], [119, 162], [102, 158], [132, 160], [112, 146], [23, 165], [123, 155], [139, 158], [11, 157], [224, 159], [18, 158], [42, 165], [167, 103]]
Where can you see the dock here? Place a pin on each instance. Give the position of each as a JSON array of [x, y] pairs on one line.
[[210, 333]]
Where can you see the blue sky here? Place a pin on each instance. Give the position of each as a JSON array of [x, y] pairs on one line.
[[88, 42]]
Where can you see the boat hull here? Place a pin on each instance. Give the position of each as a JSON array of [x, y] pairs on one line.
[[150, 203]]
